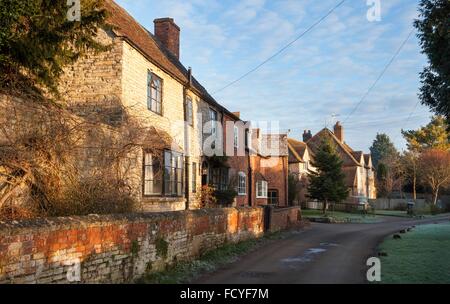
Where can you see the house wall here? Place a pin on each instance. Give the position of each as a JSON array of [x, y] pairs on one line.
[[237, 158], [275, 169], [193, 149], [93, 85]]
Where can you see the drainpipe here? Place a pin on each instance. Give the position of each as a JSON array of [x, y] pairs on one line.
[[250, 181], [186, 143]]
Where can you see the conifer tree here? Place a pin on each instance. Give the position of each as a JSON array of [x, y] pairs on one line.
[[327, 183], [37, 39]]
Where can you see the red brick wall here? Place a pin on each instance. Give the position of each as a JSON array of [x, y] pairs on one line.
[[116, 248], [284, 218]]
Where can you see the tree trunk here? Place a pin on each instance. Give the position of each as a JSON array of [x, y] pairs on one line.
[[435, 196], [325, 205], [414, 187]]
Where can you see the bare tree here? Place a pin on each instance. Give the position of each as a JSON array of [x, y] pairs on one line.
[[390, 175], [410, 161], [434, 170], [54, 162]]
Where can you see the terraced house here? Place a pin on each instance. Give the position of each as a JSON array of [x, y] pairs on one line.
[[142, 74]]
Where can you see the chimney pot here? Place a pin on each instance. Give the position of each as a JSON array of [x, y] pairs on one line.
[[169, 34], [307, 135]]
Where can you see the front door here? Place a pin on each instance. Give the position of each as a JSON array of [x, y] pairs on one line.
[[273, 197]]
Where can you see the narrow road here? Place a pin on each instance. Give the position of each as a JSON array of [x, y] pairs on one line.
[[322, 253]]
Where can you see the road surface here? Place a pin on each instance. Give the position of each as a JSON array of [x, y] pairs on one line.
[[322, 253]]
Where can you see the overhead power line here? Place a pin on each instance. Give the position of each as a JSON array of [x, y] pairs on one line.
[[282, 49], [379, 76]]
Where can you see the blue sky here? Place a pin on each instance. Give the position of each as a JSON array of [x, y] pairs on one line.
[[324, 73]]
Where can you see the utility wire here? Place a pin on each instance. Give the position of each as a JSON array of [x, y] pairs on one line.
[[282, 49], [380, 76]]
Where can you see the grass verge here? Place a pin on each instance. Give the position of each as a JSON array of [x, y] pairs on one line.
[[184, 272], [419, 257], [339, 216]]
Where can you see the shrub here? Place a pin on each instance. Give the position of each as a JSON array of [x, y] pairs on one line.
[[225, 197], [435, 209], [401, 207], [91, 196], [206, 197]]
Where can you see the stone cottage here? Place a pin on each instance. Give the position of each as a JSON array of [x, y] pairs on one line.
[[141, 77]]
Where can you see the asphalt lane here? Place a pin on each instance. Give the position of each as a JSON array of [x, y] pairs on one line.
[[321, 253]]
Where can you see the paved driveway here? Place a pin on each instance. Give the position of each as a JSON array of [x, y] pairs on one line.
[[322, 253]]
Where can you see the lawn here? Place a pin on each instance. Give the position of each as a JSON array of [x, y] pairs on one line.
[[342, 216], [424, 213], [420, 256]]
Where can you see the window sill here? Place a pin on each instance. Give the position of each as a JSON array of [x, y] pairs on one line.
[[162, 198], [242, 194], [156, 113]]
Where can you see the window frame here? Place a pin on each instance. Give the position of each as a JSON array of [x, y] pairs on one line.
[[177, 180], [219, 178], [150, 78], [236, 137], [242, 184], [194, 177], [213, 120], [145, 180], [263, 186], [189, 110]]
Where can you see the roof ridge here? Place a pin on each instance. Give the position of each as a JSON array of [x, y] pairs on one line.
[[339, 143]]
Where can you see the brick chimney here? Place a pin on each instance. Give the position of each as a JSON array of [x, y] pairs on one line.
[[237, 114], [339, 131], [307, 135], [169, 34]]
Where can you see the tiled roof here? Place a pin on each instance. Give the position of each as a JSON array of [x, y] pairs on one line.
[[350, 176], [357, 155], [346, 155], [368, 159], [298, 149], [125, 26]]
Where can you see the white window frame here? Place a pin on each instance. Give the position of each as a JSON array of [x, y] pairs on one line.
[[242, 183], [236, 137], [213, 115], [261, 189]]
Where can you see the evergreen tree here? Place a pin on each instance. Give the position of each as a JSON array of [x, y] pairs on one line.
[[37, 39], [434, 35], [327, 184], [433, 135], [382, 147]]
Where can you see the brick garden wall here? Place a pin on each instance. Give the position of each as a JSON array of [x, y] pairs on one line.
[[284, 218], [116, 248]]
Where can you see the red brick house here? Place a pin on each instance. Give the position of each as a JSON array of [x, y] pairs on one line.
[[358, 169]]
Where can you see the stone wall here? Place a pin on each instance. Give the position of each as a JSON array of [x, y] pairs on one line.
[[116, 248]]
